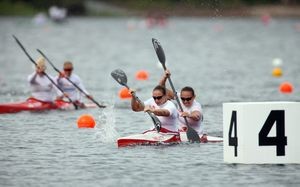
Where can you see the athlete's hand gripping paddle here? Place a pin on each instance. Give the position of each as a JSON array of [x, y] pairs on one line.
[[120, 76]]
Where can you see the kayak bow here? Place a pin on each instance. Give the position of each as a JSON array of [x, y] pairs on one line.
[[32, 104]]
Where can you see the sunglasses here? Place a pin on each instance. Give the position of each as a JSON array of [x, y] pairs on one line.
[[68, 69], [186, 99], [157, 98]]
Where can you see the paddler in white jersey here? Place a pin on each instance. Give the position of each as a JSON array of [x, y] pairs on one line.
[[192, 109], [42, 88], [68, 87], [159, 105]]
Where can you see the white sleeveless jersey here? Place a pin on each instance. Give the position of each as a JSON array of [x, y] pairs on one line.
[[42, 88], [70, 89], [197, 125], [167, 122]]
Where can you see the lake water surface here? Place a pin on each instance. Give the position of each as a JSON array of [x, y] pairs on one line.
[[224, 59]]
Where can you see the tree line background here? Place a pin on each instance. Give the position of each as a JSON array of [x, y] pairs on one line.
[[76, 7]]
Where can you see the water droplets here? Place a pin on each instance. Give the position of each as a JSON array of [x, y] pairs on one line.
[[106, 131]]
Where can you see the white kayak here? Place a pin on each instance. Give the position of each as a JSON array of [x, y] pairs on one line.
[[155, 138]]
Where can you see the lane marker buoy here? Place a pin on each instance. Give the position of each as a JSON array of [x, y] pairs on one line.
[[286, 88], [86, 121]]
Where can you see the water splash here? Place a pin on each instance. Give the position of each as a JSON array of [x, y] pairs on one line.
[[106, 131]]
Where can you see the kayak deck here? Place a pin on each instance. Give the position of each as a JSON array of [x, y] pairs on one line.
[[155, 138], [149, 138], [210, 139]]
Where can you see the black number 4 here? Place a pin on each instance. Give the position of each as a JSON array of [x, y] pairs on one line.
[[233, 140], [280, 140]]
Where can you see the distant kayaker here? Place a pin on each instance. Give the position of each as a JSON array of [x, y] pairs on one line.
[[159, 105], [192, 109], [42, 88], [68, 87]]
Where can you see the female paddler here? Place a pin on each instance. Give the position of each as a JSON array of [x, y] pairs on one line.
[[159, 105], [42, 89]]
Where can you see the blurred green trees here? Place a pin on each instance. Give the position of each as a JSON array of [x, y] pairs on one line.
[[30, 7], [77, 7]]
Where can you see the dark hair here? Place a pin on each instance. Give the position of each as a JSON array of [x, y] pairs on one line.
[[189, 89], [160, 88]]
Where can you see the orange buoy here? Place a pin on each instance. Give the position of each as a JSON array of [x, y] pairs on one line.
[[277, 72], [142, 75], [124, 93], [286, 88], [86, 121]]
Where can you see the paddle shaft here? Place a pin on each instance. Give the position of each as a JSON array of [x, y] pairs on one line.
[[23, 48], [120, 76], [57, 70], [192, 135], [153, 117], [175, 94]]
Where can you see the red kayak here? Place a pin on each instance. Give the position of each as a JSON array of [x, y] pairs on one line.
[[154, 138], [32, 104], [149, 138]]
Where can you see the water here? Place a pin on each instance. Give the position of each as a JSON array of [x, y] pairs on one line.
[[224, 59]]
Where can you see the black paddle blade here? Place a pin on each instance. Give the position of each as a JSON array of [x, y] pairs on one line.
[[192, 135], [157, 123], [120, 76], [159, 51]]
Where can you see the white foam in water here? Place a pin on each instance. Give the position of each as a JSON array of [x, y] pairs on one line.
[[106, 131]]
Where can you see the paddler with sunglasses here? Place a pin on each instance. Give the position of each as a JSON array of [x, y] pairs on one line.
[[192, 109], [68, 88], [159, 105]]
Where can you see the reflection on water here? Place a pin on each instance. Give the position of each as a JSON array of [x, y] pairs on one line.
[[225, 60]]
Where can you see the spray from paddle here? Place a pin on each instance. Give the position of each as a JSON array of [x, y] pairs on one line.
[[106, 131]]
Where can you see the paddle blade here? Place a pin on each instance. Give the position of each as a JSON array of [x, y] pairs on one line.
[[156, 121], [159, 51], [120, 76], [192, 135]]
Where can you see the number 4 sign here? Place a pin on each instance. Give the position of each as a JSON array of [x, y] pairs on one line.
[[261, 132]]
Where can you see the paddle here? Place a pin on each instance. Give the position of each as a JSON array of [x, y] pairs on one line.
[[192, 135], [120, 76], [57, 70], [23, 48]]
